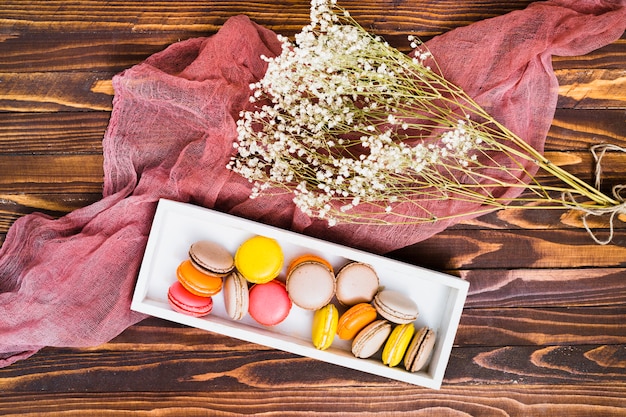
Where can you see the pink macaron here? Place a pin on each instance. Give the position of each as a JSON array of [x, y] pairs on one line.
[[269, 303], [182, 301]]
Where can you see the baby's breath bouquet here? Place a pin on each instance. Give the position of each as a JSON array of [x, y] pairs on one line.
[[357, 131]]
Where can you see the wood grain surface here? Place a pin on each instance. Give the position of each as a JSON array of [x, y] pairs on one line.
[[543, 331]]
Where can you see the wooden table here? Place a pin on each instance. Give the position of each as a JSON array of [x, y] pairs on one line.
[[543, 332]]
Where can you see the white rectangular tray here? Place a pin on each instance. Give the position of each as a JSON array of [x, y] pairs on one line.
[[176, 226]]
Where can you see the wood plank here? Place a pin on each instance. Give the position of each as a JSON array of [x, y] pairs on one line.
[[603, 88], [14, 206], [515, 249], [608, 57], [536, 326], [104, 50], [51, 173], [46, 92], [510, 399], [53, 133], [576, 129], [544, 288], [254, 370], [138, 16]]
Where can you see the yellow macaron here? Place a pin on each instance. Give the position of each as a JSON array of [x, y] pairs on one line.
[[398, 342], [259, 259], [324, 326]]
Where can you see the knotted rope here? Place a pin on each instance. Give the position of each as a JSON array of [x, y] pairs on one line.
[[598, 152]]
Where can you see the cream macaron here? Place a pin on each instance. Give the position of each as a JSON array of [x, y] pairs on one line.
[[357, 282], [236, 295], [369, 340], [395, 307], [310, 282]]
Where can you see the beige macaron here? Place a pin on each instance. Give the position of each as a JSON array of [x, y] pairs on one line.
[[369, 340], [357, 282], [395, 306], [310, 284], [420, 349], [236, 295], [211, 258]]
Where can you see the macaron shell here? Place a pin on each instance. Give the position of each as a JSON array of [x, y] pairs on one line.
[[211, 257], [397, 344], [259, 259], [395, 307], [269, 303], [369, 340], [420, 350], [197, 282], [236, 296], [185, 302], [311, 285], [324, 327], [356, 283], [355, 319]]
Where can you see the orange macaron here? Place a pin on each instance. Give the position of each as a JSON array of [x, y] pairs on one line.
[[355, 319], [197, 282]]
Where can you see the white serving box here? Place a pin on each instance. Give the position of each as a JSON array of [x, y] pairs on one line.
[[176, 226]]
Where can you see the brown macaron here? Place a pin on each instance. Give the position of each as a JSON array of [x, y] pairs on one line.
[[420, 349], [211, 258]]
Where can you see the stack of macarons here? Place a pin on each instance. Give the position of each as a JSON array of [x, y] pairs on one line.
[[199, 278]]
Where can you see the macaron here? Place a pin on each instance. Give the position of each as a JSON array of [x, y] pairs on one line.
[[324, 326], [211, 258], [197, 282], [310, 282], [185, 302], [369, 340], [355, 319], [395, 306], [269, 303], [236, 295], [357, 282], [397, 344], [420, 349], [259, 259]]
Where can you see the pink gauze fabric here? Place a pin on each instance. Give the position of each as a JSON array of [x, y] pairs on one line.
[[68, 282]]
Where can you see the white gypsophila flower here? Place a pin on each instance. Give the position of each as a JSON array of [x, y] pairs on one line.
[[341, 119]]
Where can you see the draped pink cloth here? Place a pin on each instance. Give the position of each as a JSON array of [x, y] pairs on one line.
[[68, 282]]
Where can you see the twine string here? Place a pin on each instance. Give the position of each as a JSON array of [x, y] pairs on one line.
[[598, 152]]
